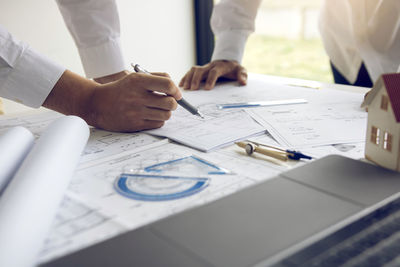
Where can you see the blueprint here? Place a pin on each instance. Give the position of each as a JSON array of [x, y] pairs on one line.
[[351, 150], [94, 211], [101, 144], [219, 128], [330, 117], [223, 127]]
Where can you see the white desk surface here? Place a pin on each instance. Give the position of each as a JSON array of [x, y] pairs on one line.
[[92, 189]]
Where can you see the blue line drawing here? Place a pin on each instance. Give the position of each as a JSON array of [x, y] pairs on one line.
[[187, 165], [147, 187]]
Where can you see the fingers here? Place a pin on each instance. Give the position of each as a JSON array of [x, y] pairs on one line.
[[156, 114], [241, 75], [182, 82], [194, 76], [155, 83], [161, 102], [134, 125], [197, 78], [212, 78], [211, 72], [188, 79], [149, 124]]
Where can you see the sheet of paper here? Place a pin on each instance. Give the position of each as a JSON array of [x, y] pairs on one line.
[[31, 200], [101, 144], [351, 150], [222, 127], [115, 214], [15, 145], [330, 117], [219, 128]]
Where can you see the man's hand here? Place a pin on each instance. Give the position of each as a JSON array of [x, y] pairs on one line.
[[211, 72], [112, 77], [129, 104]]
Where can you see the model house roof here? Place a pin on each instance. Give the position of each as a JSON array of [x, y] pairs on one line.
[[392, 84]]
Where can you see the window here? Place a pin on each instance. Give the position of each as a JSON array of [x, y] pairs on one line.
[[384, 102], [286, 41], [375, 132], [387, 141]]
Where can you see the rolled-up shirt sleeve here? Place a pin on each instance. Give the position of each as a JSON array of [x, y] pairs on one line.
[[26, 76], [95, 28], [232, 21]]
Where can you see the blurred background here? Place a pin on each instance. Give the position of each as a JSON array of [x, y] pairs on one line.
[[157, 34], [287, 42], [164, 35]]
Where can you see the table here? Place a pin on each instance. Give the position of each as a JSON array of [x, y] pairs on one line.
[[93, 211]]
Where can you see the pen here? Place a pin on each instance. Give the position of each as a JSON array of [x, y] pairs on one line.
[[275, 152], [182, 102]]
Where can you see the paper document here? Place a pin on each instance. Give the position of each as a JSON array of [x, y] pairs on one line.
[[225, 126], [31, 200], [101, 144], [95, 211], [330, 117], [351, 150], [219, 128], [15, 145]]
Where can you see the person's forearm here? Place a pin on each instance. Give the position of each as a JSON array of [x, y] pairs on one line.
[[71, 95]]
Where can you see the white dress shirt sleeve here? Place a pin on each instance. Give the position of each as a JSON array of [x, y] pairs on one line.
[[94, 25], [232, 21], [25, 76]]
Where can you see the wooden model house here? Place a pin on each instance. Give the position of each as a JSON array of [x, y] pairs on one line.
[[383, 131]]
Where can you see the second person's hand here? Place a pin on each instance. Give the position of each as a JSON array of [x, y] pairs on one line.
[[210, 73]]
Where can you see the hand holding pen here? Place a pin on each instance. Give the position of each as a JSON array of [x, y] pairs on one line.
[[182, 102], [128, 104]]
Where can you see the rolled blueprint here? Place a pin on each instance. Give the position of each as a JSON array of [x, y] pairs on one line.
[[30, 201], [15, 144]]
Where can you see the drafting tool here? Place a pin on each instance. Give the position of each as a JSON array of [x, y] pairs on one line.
[[272, 151], [147, 187], [191, 165], [262, 103]]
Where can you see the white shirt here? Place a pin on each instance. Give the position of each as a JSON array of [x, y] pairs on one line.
[[353, 31], [25, 76], [28, 77], [94, 25]]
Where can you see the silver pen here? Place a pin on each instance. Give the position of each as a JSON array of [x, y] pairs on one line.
[[182, 102]]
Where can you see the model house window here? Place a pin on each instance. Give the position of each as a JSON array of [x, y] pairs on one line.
[[375, 132], [384, 102], [387, 141]]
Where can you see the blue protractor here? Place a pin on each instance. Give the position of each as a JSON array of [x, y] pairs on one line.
[[158, 187], [190, 164]]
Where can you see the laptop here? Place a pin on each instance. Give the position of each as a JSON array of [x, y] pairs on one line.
[[331, 212]]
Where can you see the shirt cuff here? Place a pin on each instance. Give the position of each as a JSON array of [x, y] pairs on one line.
[[230, 45], [102, 60], [31, 79]]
